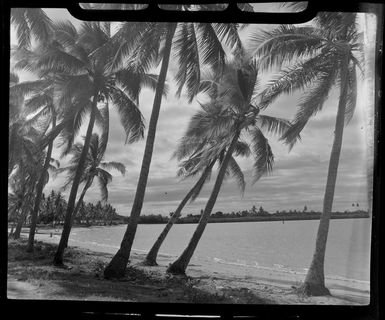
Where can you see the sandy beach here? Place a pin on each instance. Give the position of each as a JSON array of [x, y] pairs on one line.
[[268, 287]]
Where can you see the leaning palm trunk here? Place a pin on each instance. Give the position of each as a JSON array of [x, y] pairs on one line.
[[180, 265], [19, 225], [79, 203], [22, 210], [39, 192], [153, 253], [58, 259], [23, 214], [117, 265], [315, 280]]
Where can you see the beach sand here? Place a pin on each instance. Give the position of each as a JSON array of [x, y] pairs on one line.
[[153, 284]]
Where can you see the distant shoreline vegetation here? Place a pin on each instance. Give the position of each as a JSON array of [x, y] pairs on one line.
[[254, 215], [53, 206]]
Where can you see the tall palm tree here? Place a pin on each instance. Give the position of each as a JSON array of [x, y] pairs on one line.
[[194, 44], [94, 168], [327, 53], [78, 59], [230, 114], [191, 167], [24, 185], [40, 105]]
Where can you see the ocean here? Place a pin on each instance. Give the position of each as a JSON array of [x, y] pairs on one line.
[[244, 248]]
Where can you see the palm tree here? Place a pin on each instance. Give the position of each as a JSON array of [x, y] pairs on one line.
[[94, 168], [24, 182], [24, 160], [228, 115], [191, 167], [328, 53], [194, 44], [40, 104], [79, 62]]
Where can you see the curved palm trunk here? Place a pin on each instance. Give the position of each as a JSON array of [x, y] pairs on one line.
[[117, 265], [39, 192], [315, 279], [153, 253], [88, 184], [180, 265], [58, 259], [23, 211], [19, 225]]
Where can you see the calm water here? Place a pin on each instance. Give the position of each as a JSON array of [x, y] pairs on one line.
[[285, 247]]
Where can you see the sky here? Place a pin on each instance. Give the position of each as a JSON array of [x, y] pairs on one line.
[[298, 177]]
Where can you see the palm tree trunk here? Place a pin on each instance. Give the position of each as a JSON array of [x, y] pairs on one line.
[[58, 259], [153, 253], [23, 211], [117, 265], [19, 225], [88, 184], [315, 279], [39, 192], [180, 265]]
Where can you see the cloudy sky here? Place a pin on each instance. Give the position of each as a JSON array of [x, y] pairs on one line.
[[298, 178]]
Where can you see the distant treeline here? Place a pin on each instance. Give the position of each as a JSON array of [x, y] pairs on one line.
[[53, 207], [253, 215]]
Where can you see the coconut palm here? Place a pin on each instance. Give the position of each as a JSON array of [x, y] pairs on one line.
[[326, 53], [78, 59], [192, 167], [194, 45], [228, 115], [94, 168], [24, 182], [40, 105]]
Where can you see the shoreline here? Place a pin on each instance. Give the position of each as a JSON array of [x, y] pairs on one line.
[[270, 285]]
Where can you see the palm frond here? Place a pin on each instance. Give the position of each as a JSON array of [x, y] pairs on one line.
[[124, 42], [55, 60], [31, 22], [310, 105], [242, 149], [273, 125], [188, 146], [285, 43], [228, 33], [211, 50], [210, 122], [28, 87], [264, 158], [67, 35], [130, 116], [351, 95], [294, 78], [104, 178], [13, 79], [145, 54], [237, 173], [73, 86], [72, 127], [247, 80], [114, 165], [105, 125], [40, 24], [186, 49]]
